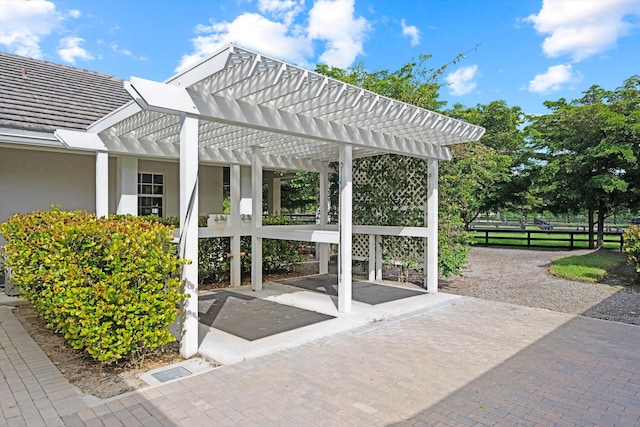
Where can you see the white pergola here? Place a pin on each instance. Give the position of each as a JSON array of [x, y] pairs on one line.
[[244, 109]]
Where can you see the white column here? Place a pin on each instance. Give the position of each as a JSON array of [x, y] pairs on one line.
[[127, 185], [323, 248], [378, 257], [346, 229], [372, 257], [234, 181], [256, 223], [245, 191], [431, 261], [274, 197], [102, 184], [188, 243]]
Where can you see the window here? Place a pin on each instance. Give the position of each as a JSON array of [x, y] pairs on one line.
[[150, 194]]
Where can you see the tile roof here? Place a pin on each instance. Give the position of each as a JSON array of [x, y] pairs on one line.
[[42, 96]]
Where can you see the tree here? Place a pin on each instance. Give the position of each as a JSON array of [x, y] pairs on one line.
[[589, 151], [491, 174]]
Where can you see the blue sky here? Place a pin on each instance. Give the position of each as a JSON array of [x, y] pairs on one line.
[[521, 51]]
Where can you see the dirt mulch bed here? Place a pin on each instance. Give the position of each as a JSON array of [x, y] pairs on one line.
[[88, 375]]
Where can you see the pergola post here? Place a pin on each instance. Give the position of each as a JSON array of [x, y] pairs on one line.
[[102, 184], [274, 197], [127, 185], [323, 211], [256, 219], [431, 247], [346, 229], [236, 271], [188, 242]]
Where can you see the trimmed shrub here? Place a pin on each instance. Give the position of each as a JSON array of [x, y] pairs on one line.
[[214, 264], [109, 286], [632, 247]]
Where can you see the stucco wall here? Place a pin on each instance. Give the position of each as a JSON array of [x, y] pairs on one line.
[[33, 180]]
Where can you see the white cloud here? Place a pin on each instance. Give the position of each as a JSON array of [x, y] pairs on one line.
[[275, 32], [287, 10], [462, 81], [553, 80], [75, 13], [252, 31], [69, 50], [412, 32], [114, 47], [334, 22], [24, 23], [585, 28]]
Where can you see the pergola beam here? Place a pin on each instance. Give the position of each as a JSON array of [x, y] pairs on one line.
[[157, 97]]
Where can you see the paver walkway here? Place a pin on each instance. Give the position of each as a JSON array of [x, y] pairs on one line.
[[465, 362]]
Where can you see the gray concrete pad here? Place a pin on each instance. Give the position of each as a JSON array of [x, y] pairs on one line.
[[362, 291], [252, 318]]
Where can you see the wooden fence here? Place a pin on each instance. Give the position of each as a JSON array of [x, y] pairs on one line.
[[531, 238]]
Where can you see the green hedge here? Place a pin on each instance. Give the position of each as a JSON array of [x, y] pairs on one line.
[[214, 264], [632, 247], [109, 286]]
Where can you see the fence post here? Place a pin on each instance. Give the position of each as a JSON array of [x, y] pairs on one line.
[[528, 239], [486, 238], [571, 241]]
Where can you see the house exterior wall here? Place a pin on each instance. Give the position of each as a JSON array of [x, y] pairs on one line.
[[35, 179]]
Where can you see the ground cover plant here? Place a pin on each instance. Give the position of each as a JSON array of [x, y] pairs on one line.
[[108, 286], [592, 267]]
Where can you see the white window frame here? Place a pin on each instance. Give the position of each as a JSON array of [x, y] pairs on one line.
[[149, 190]]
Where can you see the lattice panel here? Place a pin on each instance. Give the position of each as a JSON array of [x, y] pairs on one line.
[[360, 249], [390, 190]]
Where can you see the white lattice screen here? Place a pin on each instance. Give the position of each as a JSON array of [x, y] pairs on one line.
[[390, 190]]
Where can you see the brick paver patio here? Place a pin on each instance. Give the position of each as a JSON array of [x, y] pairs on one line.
[[466, 362]]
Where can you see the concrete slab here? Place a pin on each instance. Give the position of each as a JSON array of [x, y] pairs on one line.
[[362, 291], [252, 318]]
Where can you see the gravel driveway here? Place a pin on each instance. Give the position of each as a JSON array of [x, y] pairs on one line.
[[522, 277]]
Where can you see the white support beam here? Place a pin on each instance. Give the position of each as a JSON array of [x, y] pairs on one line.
[[323, 248], [431, 267], [240, 113], [102, 184], [236, 261], [127, 145], [188, 240], [256, 223], [79, 140], [346, 216], [127, 185], [156, 97]]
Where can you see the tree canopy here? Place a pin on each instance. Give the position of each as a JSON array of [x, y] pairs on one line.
[[589, 151]]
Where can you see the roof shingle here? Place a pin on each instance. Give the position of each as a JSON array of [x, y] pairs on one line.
[[42, 96]]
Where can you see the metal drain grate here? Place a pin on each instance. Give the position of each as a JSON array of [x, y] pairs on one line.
[[171, 374]]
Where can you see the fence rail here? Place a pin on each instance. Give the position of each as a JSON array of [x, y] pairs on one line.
[[531, 237]]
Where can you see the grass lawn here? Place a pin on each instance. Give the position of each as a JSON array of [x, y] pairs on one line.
[[587, 268]]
